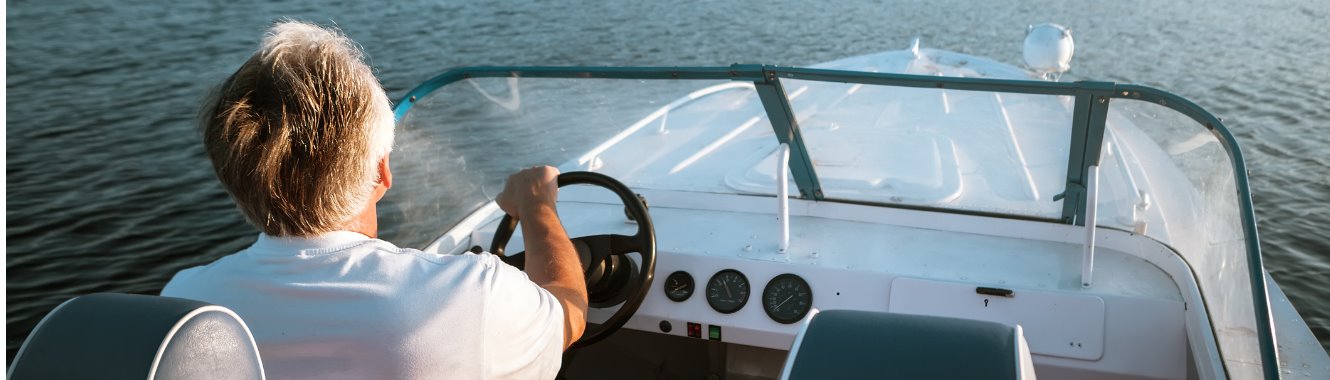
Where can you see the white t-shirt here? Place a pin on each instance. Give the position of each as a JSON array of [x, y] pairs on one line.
[[345, 306]]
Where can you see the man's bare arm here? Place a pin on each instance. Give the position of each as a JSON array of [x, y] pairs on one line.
[[551, 261]]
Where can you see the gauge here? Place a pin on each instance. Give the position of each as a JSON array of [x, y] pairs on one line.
[[679, 286], [787, 298], [727, 291]]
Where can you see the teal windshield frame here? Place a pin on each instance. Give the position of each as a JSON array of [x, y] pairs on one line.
[[1089, 116]]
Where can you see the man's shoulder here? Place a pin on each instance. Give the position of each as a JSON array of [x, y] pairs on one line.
[[369, 260], [463, 270], [390, 251]]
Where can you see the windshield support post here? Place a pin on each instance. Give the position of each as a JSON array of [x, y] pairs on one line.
[[783, 122], [1087, 138], [783, 196]]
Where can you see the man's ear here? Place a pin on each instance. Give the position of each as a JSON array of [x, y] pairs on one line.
[[385, 173]]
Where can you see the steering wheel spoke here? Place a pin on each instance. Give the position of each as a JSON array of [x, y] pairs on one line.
[[599, 247]]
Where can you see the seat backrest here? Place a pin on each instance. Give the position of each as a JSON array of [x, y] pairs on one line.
[[852, 344], [114, 336]]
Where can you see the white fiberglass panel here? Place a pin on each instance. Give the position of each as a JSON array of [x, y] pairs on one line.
[[979, 151], [1166, 176], [468, 136], [1064, 324]]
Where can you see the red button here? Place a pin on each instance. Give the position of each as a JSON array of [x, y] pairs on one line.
[[694, 330]]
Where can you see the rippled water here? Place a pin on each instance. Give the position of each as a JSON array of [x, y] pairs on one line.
[[108, 188]]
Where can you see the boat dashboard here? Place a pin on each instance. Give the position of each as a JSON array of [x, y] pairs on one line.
[[720, 275]]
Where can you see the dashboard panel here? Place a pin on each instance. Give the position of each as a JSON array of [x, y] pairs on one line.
[[857, 264], [787, 298]]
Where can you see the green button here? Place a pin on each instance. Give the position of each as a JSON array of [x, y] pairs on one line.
[[714, 332]]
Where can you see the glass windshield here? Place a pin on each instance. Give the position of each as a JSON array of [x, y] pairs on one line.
[[1002, 153], [457, 145], [1168, 177]]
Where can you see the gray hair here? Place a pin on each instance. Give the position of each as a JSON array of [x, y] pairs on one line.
[[296, 133]]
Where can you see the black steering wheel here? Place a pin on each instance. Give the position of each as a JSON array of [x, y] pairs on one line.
[[611, 277]]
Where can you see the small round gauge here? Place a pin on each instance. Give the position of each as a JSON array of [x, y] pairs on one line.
[[727, 291], [679, 286], [787, 298]]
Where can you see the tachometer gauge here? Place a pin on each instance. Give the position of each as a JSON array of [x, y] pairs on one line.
[[787, 298], [679, 286], [727, 291]]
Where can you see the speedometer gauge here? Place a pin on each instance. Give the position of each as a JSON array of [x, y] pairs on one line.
[[727, 291], [787, 298]]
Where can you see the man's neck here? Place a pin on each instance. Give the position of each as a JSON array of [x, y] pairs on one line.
[[366, 223]]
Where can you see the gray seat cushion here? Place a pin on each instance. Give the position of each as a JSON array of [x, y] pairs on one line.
[[851, 344], [113, 336]]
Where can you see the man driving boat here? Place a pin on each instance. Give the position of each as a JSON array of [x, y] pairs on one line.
[[300, 137]]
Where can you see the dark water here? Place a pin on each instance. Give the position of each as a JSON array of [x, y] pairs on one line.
[[108, 188]]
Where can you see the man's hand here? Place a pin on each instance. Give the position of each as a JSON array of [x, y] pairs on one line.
[[529, 190], [551, 261]]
